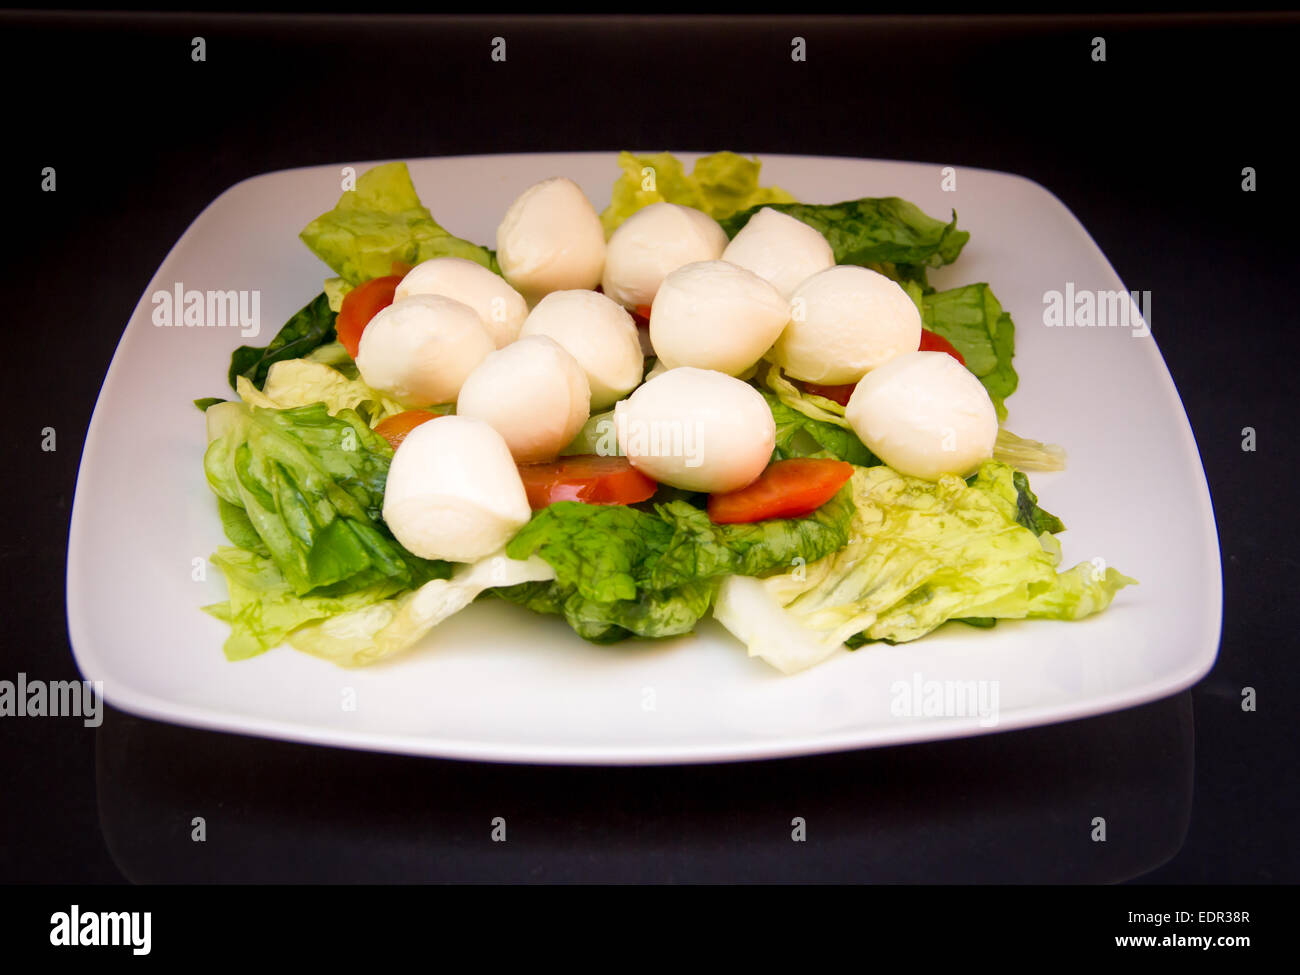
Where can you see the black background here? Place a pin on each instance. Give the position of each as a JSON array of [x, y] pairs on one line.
[[1146, 148]]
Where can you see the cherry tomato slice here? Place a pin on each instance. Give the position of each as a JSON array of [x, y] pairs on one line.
[[585, 477], [360, 305], [395, 428], [933, 342], [787, 489]]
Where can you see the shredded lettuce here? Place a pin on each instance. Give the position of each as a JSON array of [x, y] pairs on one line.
[[719, 185], [920, 553]]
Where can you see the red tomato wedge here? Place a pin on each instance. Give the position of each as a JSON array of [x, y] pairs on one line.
[[395, 428], [641, 315], [360, 305], [839, 394], [933, 342], [401, 268], [787, 489], [585, 477]]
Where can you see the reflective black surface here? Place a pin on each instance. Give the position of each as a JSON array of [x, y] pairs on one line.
[[1147, 149]]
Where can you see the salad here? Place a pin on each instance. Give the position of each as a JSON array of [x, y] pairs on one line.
[[709, 399]]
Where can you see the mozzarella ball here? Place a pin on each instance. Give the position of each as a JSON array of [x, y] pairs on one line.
[[501, 308], [531, 392], [696, 429], [420, 349], [654, 242], [924, 414], [776, 246], [714, 315], [551, 240], [454, 491], [844, 322], [599, 333]]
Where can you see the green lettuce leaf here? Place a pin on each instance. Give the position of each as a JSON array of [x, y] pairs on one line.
[[263, 609], [887, 234], [597, 436], [699, 549], [719, 185], [387, 627], [311, 485], [301, 382], [654, 613], [814, 407], [239, 528], [920, 553], [310, 327], [1028, 455], [808, 425], [599, 550], [972, 319], [1028, 513], [334, 355], [622, 571], [797, 435], [336, 289], [379, 222]]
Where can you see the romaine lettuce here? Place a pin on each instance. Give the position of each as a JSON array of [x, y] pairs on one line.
[[809, 425], [719, 185], [263, 609], [310, 327], [887, 234], [972, 319], [379, 222], [920, 553], [621, 571], [386, 627], [601, 555], [700, 549], [301, 382], [311, 485]]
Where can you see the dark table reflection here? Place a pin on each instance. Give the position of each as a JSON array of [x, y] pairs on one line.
[[1011, 807]]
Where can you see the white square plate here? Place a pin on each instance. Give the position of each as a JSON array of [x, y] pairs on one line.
[[500, 683]]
